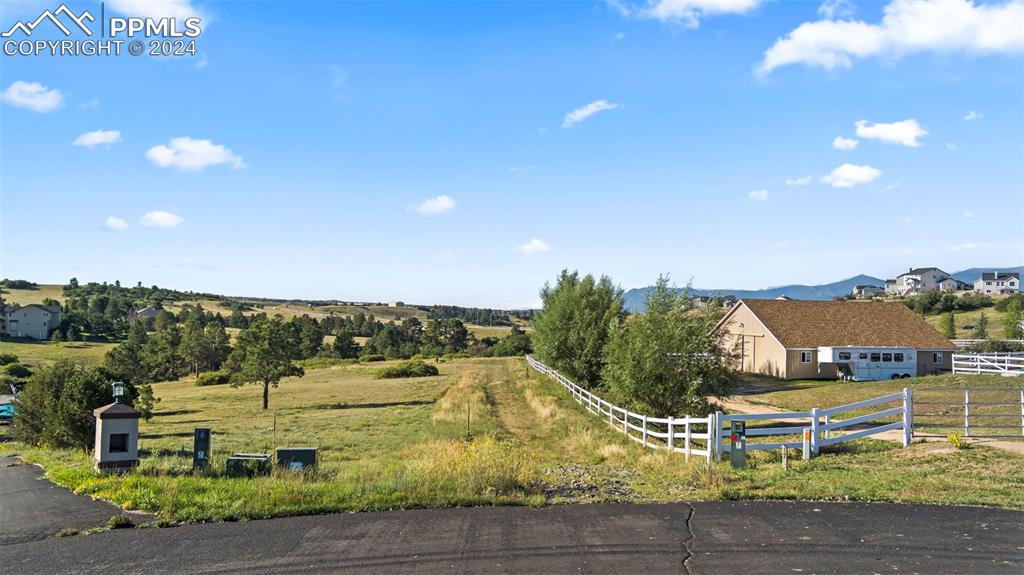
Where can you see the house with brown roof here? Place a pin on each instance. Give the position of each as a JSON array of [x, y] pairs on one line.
[[795, 339]]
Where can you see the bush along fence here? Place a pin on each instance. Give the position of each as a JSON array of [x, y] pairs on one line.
[[691, 436], [819, 427]]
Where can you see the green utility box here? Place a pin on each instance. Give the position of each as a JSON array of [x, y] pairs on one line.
[[738, 444], [297, 458], [201, 448], [248, 465]]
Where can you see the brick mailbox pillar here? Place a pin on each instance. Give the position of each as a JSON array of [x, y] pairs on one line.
[[117, 437]]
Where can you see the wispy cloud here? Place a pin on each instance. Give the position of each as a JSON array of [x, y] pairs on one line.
[[436, 205], [850, 175], [97, 138], [841, 143], [832, 9], [159, 219], [967, 247], [32, 96], [535, 246], [972, 115], [193, 155], [579, 114], [758, 195], [801, 181], [907, 27], [905, 132], [688, 13], [116, 224]]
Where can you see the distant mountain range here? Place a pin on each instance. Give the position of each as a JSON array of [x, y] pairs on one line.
[[634, 299]]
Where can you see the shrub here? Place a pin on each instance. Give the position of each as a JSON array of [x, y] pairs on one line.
[[18, 370], [411, 368], [371, 357], [119, 522], [6, 358], [956, 441], [56, 407], [213, 378], [993, 346]]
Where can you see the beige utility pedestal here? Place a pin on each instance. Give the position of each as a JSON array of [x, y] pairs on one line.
[[117, 437]]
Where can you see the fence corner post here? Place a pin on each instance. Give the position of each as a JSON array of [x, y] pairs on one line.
[[814, 430], [671, 434], [908, 416], [712, 422], [715, 435]]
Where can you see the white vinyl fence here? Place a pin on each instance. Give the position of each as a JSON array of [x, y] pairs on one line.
[[967, 342], [686, 435], [823, 425], [1008, 364], [703, 436]]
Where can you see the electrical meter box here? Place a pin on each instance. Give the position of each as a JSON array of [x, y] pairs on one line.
[[297, 458], [738, 444], [201, 448]]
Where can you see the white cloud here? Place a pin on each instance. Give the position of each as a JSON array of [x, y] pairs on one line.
[[189, 154], [689, 13], [893, 186], [907, 27], [832, 9], [520, 169], [801, 181], [436, 205], [580, 114], [179, 9], [116, 224], [967, 246], [850, 175], [97, 138], [758, 195], [535, 246], [92, 104], [905, 132], [161, 220], [33, 96], [841, 143], [972, 115], [620, 35]]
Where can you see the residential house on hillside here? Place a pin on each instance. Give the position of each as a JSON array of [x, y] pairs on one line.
[[997, 283], [785, 338], [146, 313], [921, 280], [866, 291], [35, 321]]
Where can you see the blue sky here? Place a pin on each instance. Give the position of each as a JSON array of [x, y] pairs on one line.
[[428, 152]]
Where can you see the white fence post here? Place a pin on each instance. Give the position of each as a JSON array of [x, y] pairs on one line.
[[715, 436], [908, 414], [1022, 411], [814, 430], [645, 430], [671, 433], [712, 422], [967, 412], [686, 446], [828, 420]]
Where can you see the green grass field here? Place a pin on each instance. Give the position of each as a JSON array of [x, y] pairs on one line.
[[403, 443], [37, 353], [966, 318]]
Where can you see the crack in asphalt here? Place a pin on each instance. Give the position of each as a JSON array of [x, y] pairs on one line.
[[689, 538]]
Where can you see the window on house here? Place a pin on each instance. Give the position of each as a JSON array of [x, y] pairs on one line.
[[936, 358], [897, 357], [119, 443], [876, 357], [805, 357], [844, 355], [886, 357], [988, 283]]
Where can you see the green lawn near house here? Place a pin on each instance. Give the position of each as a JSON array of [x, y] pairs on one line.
[[37, 353]]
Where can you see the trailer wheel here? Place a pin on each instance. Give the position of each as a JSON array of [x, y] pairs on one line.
[[906, 376], [895, 376]]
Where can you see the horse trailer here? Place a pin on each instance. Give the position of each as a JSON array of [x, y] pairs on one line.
[[870, 363]]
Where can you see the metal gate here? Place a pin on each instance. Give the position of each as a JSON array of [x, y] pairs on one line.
[[992, 412]]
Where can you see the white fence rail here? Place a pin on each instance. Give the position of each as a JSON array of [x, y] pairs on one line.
[[982, 412], [967, 342], [825, 429], [1008, 364], [679, 434], [683, 435]]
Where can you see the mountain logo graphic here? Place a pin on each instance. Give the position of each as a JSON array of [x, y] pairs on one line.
[[52, 16]]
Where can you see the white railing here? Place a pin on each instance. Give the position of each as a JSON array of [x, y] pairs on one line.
[[1009, 364], [824, 428], [967, 342], [986, 412], [677, 434]]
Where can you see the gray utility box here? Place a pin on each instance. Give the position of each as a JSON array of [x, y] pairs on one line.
[[297, 458], [248, 465]]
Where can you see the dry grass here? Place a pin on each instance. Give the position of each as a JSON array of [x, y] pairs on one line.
[[31, 296]]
